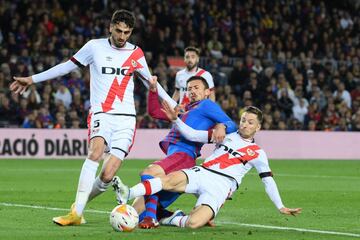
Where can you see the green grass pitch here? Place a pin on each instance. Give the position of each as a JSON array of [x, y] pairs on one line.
[[328, 192]]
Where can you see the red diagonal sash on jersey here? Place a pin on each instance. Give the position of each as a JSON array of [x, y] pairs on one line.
[[249, 153], [119, 90], [186, 100], [200, 72]]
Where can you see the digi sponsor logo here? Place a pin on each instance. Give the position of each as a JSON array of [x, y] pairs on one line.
[[117, 71]]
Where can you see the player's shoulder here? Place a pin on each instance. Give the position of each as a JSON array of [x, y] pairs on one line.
[[256, 147], [181, 71], [98, 41], [180, 75], [204, 72], [209, 103], [233, 137], [131, 46]]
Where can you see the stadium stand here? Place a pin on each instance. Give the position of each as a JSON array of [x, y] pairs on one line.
[[296, 60]]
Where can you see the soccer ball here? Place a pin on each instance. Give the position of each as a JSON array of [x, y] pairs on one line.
[[124, 218]]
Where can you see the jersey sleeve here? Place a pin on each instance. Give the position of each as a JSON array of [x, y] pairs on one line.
[[215, 113], [177, 81], [54, 72], [145, 74], [84, 56], [209, 79], [261, 164], [192, 134], [262, 167]]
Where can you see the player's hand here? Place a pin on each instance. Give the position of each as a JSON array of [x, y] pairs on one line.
[[153, 83], [180, 108], [171, 113], [290, 211], [20, 84], [218, 133]]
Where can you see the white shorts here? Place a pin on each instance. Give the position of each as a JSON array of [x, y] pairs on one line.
[[117, 130], [212, 189]]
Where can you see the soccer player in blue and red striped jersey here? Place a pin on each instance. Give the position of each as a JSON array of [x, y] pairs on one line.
[[201, 114]]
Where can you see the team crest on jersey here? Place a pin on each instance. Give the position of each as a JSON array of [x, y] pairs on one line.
[[133, 63], [250, 152]]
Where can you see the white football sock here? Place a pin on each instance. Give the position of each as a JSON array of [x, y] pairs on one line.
[[86, 181], [142, 188], [179, 221], [98, 187]]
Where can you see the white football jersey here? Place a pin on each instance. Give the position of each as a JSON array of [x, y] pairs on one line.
[[111, 74], [234, 157], [181, 79]]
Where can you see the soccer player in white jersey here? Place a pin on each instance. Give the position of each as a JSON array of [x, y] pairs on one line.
[[191, 59], [220, 174], [113, 62]]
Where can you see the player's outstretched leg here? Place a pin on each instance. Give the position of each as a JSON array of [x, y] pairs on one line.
[[151, 202], [169, 220], [121, 190]]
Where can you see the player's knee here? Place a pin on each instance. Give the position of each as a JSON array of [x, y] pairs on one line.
[[95, 154], [166, 183], [193, 224], [148, 171]]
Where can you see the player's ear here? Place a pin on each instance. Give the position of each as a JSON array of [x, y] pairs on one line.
[[111, 28], [258, 127], [207, 92]]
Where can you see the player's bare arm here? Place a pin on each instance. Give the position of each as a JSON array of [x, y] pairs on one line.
[[219, 133], [21, 84], [176, 95]]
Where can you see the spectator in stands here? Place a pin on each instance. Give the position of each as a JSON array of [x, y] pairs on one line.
[[30, 120], [63, 96], [300, 110], [341, 94], [60, 121], [285, 103]]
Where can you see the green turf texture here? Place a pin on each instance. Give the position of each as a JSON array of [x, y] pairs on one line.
[[328, 192]]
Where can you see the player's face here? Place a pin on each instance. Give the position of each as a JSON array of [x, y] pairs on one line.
[[120, 33], [196, 91], [249, 125], [191, 60]]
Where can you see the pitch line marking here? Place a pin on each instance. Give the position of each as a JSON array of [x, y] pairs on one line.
[[221, 222], [291, 228]]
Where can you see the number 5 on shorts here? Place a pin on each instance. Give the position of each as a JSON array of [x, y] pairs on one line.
[[96, 123]]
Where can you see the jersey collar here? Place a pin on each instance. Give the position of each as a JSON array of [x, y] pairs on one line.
[[192, 105], [111, 45]]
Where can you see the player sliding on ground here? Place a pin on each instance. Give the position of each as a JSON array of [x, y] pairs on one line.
[[220, 174]]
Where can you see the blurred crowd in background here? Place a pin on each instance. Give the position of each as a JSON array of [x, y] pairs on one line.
[[297, 60]]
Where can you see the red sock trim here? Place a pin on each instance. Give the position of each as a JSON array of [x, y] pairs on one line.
[[147, 186]]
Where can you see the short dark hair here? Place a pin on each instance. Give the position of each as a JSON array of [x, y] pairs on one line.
[[256, 111], [124, 16], [193, 78], [193, 49]]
